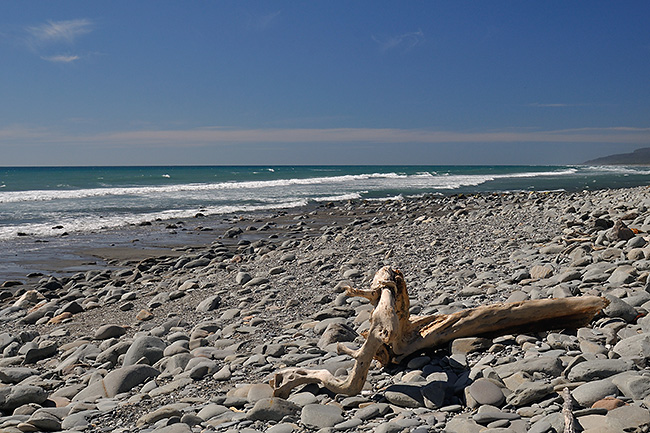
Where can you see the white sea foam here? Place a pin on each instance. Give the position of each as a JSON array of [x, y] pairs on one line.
[[93, 209], [89, 224], [351, 196], [619, 169], [45, 195], [419, 180], [398, 197]]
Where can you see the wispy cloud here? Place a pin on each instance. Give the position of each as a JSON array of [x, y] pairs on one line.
[[262, 22], [60, 31], [404, 41], [223, 136], [56, 36], [61, 58], [555, 105]]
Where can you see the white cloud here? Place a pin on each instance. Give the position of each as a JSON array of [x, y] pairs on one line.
[[61, 58], [45, 38], [404, 41], [262, 22], [555, 105], [60, 31], [224, 136]]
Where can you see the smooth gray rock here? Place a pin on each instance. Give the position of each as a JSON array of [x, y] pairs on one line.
[[390, 427], [14, 375], [259, 391], [469, 345], [45, 420], [85, 353], [178, 427], [44, 350], [485, 391], [211, 410], [303, 398], [350, 424], [208, 304], [197, 263], [223, 374], [589, 393], [321, 416], [628, 418], [79, 420], [487, 414], [633, 385], [529, 392], [599, 369], [113, 353], [404, 395], [167, 411], [622, 275], [336, 333], [618, 308], [256, 281], [272, 409], [147, 347], [637, 346], [543, 364], [636, 242], [553, 422], [117, 381], [372, 411], [14, 396], [463, 424], [243, 278], [283, 427]]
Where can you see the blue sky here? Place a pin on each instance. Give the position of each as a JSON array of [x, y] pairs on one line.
[[322, 82]]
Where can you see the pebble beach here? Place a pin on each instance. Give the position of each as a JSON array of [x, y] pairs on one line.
[[171, 338]]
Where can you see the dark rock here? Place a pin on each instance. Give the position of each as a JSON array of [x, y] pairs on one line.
[[12, 397], [336, 332], [598, 369], [272, 409], [209, 304], [321, 416], [105, 332], [147, 347], [404, 395], [620, 232]]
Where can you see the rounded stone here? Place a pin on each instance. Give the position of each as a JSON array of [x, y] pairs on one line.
[[147, 347], [404, 395], [259, 391], [589, 393], [272, 409], [321, 416], [485, 391], [105, 332]]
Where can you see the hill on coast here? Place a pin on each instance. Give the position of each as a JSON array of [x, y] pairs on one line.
[[638, 157]]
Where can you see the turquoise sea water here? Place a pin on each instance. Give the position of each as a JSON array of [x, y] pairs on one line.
[[47, 201]]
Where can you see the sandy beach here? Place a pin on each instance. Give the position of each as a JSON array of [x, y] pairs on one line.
[[178, 326]]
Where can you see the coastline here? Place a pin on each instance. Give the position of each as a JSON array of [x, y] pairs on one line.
[[233, 299]]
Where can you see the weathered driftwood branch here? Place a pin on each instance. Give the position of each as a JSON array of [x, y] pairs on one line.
[[395, 334], [567, 411]]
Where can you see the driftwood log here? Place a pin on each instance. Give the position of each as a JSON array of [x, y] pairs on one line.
[[395, 334]]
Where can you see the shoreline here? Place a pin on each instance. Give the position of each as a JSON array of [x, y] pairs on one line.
[[64, 255], [222, 315]]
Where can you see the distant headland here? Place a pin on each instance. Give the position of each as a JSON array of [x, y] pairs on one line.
[[638, 157]]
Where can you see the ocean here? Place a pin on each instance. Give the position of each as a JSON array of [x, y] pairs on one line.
[[46, 202]]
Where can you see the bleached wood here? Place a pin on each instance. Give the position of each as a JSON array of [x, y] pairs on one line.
[[395, 334], [567, 411]]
